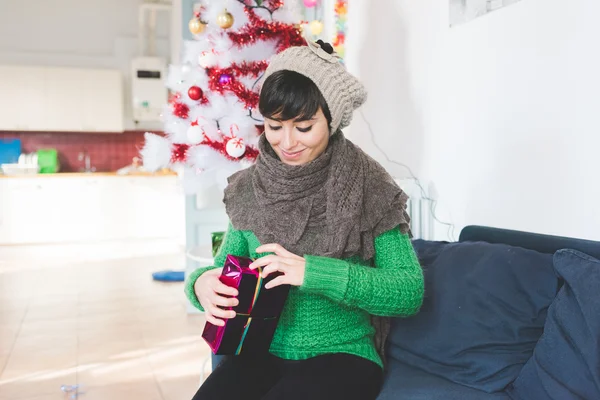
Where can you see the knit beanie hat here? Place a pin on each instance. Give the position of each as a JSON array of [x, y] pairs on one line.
[[318, 62]]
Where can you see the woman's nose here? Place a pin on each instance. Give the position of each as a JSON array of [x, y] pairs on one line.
[[288, 141]]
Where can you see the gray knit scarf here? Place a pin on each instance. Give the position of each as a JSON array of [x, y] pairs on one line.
[[334, 206]]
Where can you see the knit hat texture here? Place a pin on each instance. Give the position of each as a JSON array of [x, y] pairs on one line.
[[341, 90]]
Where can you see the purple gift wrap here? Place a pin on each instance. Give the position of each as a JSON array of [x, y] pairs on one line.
[[258, 311]]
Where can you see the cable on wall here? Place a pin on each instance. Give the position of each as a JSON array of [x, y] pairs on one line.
[[413, 177]]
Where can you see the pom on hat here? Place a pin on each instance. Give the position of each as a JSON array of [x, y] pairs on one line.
[[325, 46]]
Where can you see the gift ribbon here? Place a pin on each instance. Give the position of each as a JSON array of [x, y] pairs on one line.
[[247, 326]]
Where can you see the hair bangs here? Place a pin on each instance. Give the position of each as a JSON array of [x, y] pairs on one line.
[[288, 95]]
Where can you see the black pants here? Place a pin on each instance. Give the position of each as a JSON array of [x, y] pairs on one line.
[[330, 377]]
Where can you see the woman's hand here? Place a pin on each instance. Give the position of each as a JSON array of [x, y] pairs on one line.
[[291, 265], [210, 292]]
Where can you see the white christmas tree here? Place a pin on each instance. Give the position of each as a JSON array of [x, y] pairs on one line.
[[212, 122]]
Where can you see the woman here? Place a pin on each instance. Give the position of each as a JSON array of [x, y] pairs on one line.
[[330, 219]]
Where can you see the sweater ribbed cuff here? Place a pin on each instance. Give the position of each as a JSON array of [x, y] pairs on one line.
[[189, 287], [326, 276]]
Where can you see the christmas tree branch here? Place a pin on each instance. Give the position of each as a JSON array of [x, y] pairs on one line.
[[259, 5]]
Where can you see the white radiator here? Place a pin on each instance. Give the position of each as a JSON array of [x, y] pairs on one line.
[[419, 209], [421, 221]]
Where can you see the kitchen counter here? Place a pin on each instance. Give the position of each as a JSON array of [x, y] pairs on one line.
[[90, 207]]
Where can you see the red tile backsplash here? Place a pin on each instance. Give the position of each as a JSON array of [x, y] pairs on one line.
[[108, 152]]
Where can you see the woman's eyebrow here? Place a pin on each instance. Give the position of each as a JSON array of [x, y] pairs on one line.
[[302, 119]]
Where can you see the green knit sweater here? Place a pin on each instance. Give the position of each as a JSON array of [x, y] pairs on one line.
[[330, 312]]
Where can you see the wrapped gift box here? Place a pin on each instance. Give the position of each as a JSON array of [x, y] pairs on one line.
[[258, 311]]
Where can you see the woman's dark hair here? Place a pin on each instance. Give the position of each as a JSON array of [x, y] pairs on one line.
[[289, 95]]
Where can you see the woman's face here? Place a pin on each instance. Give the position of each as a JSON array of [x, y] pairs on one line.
[[298, 142]]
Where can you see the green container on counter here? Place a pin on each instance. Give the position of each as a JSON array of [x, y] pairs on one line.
[[217, 241], [48, 161]]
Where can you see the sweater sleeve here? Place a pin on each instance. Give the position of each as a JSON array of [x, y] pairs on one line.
[[394, 287], [234, 243]]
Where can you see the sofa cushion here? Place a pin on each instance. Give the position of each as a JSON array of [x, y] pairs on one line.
[[484, 310], [566, 360], [408, 383]]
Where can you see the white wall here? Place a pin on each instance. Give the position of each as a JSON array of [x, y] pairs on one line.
[[77, 33], [499, 115]]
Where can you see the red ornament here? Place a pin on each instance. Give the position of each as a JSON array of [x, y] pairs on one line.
[[179, 153], [195, 93]]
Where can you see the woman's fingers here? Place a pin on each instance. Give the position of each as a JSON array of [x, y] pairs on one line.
[[266, 260], [261, 262], [224, 301], [277, 249], [213, 320], [221, 288], [219, 312], [273, 267], [280, 280]]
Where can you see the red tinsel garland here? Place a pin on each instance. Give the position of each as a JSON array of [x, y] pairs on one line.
[[180, 110], [253, 68], [247, 96], [250, 154], [179, 153], [203, 100], [180, 150], [258, 29], [274, 4]]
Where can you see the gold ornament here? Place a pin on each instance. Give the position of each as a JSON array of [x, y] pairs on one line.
[[196, 26], [316, 27], [225, 20]]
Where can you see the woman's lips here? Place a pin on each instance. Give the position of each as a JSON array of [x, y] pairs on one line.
[[291, 155]]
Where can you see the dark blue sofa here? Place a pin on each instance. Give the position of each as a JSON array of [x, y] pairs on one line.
[[487, 300]]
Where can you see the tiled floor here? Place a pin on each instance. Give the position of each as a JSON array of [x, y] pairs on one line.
[[102, 324]]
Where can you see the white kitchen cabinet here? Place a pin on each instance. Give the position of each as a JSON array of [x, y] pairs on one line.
[[45, 210], [64, 99], [61, 99], [9, 98], [8, 89], [22, 98], [33, 81], [102, 104]]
